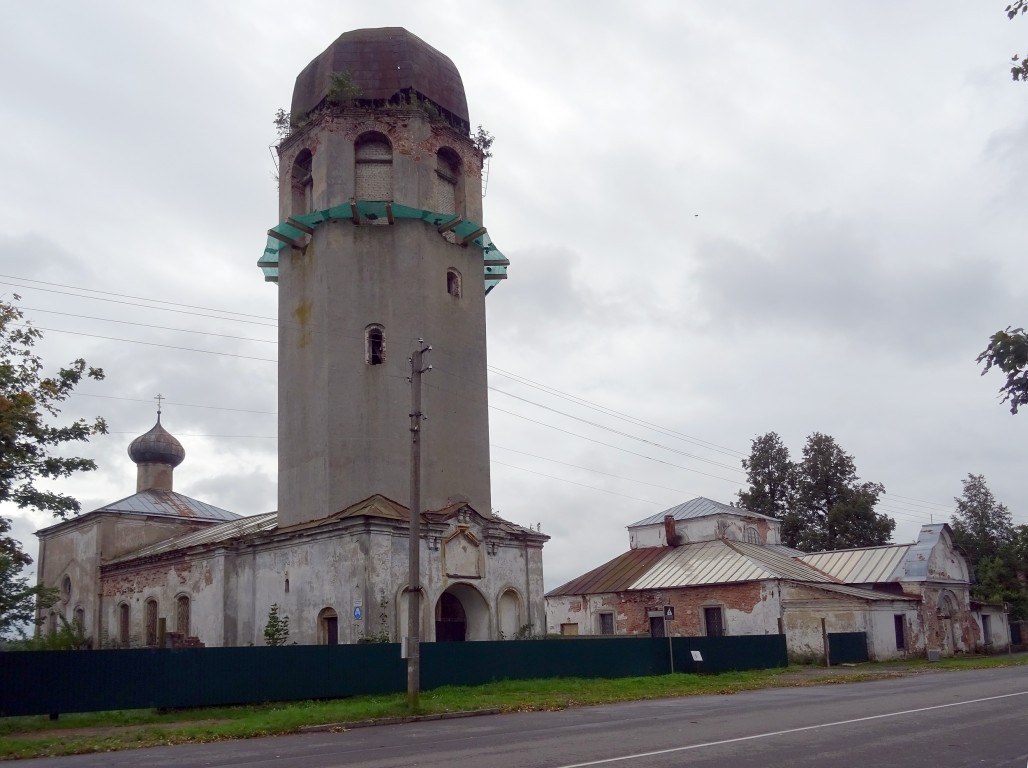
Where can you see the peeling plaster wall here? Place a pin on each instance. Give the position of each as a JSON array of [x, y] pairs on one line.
[[748, 609], [731, 527], [232, 590], [803, 609]]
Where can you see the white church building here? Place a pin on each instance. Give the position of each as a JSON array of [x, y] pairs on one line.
[[379, 247]]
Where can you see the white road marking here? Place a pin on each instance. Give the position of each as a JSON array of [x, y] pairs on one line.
[[788, 730]]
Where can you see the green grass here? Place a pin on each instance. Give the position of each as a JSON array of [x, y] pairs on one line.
[[22, 737]]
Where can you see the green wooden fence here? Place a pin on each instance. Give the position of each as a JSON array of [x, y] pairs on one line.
[[52, 682]]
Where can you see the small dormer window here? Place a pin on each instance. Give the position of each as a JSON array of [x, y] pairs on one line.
[[752, 535]]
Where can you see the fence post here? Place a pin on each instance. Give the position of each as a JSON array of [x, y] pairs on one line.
[[824, 639]]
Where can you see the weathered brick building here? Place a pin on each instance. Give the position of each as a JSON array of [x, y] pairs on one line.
[[724, 570]]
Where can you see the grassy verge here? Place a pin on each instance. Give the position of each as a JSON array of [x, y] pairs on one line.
[[22, 737]]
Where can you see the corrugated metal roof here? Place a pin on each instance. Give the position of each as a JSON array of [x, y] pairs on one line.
[[869, 565], [707, 562], [698, 507], [216, 534], [169, 504], [615, 576], [863, 594]]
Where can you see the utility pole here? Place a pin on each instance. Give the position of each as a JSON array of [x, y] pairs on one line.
[[414, 558]]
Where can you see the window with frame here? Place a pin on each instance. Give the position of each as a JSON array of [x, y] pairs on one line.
[[714, 621], [899, 624], [374, 347], [752, 535], [606, 623]]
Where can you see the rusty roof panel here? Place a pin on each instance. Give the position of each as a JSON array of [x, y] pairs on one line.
[[170, 504], [216, 534], [869, 565], [614, 576]]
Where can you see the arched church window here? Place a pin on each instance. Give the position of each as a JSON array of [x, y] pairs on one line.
[[302, 183], [66, 588], [80, 618], [123, 625], [151, 622], [447, 181], [453, 282], [373, 168], [374, 352], [752, 535], [182, 615], [328, 627]]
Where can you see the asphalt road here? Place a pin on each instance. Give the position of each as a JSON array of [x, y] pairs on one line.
[[939, 719]]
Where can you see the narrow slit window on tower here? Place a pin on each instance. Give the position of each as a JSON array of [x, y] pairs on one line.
[[375, 345], [302, 182], [453, 282]]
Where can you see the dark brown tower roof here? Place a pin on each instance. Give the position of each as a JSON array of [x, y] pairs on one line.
[[383, 62]]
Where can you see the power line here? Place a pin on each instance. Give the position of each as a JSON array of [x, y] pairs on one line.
[[146, 343], [610, 411], [147, 325], [128, 296], [169, 402], [581, 485]]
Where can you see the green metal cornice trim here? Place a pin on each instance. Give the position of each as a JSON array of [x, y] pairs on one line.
[[291, 232]]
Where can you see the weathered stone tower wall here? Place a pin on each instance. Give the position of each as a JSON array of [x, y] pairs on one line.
[[355, 301]]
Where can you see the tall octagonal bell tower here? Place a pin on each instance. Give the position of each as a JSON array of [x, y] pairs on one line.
[[380, 245]]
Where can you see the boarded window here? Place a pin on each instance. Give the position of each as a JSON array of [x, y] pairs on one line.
[[713, 621], [606, 623], [151, 622], [123, 624], [569, 629], [901, 637], [453, 283], [447, 177], [987, 630], [182, 615], [373, 168]]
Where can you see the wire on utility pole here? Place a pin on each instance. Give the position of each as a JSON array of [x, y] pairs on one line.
[[414, 559]]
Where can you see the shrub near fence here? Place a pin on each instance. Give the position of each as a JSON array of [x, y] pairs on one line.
[[51, 682]]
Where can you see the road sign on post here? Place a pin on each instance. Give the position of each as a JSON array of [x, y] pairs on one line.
[[669, 615]]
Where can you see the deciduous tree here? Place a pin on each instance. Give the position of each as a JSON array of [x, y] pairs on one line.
[[29, 448], [834, 508], [1008, 351]]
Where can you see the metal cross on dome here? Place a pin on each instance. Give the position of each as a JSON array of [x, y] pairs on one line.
[[158, 398]]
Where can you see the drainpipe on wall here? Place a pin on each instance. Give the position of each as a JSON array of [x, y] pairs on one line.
[[528, 588]]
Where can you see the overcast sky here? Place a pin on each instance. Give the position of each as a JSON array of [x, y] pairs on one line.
[[723, 219]]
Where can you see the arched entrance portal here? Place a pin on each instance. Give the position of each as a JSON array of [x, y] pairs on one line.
[[461, 613]]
